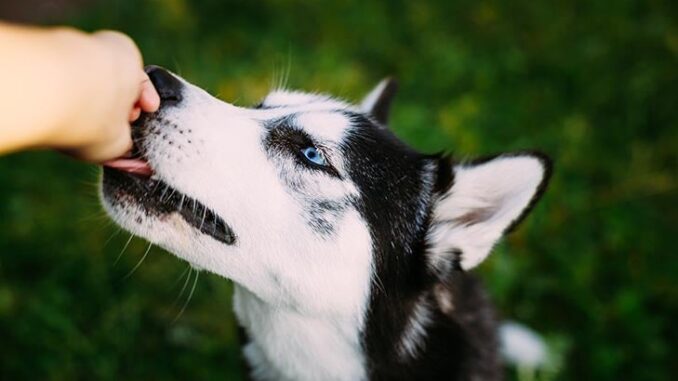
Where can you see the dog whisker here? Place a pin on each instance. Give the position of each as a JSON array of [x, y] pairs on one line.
[[148, 249], [162, 196], [189, 269], [155, 187], [123, 249], [204, 214], [181, 203], [190, 296], [115, 233], [216, 222]]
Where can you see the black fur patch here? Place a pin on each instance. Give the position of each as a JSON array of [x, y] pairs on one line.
[[444, 174], [391, 179]]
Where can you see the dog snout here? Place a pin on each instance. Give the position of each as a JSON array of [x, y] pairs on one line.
[[168, 86]]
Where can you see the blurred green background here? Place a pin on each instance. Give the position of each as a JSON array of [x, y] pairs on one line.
[[592, 83]]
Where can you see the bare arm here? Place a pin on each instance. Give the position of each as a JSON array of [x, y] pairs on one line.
[[71, 91]]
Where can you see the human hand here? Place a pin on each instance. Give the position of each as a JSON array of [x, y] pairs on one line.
[[115, 91]]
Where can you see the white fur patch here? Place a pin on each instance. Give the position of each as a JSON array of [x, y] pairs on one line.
[[326, 126], [291, 100], [290, 345], [413, 338], [522, 347]]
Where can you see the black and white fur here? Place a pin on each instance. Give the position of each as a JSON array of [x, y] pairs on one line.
[[355, 271]]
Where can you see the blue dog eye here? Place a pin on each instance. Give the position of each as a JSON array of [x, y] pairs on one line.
[[314, 156]]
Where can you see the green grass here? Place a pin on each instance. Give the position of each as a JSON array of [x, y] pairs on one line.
[[594, 84]]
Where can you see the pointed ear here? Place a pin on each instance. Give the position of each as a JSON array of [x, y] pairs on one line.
[[378, 101], [486, 199]]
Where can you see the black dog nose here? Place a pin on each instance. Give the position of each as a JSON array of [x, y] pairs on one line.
[[167, 85]]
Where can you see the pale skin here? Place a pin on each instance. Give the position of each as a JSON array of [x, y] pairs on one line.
[[71, 91]]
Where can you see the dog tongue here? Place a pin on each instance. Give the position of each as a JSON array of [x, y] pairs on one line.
[[136, 166]]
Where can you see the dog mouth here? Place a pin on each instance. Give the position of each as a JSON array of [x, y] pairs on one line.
[[136, 166], [132, 179]]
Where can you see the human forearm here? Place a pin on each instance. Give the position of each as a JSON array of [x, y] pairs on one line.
[[42, 88]]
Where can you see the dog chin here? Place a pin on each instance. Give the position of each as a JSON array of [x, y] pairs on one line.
[[168, 230]]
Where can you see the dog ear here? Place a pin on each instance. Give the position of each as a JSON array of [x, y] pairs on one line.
[[485, 200], [378, 101]]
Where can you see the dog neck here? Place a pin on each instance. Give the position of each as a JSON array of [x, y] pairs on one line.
[[286, 344]]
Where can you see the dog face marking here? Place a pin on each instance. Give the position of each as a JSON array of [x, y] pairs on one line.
[[322, 218]]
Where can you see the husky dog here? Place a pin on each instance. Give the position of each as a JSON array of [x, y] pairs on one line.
[[349, 250]]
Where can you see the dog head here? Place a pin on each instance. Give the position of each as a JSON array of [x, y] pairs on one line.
[[308, 201]]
